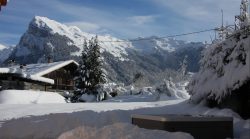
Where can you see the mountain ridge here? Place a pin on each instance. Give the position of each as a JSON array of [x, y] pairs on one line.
[[45, 37], [5, 51]]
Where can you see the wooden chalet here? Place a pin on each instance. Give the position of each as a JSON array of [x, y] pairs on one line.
[[56, 76]]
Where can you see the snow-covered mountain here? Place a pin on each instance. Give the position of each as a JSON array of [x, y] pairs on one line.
[[45, 36], [123, 58], [5, 52]]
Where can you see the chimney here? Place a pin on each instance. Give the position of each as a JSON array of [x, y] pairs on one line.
[[49, 59], [22, 66]]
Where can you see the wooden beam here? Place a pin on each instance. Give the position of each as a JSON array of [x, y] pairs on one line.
[[3, 3]]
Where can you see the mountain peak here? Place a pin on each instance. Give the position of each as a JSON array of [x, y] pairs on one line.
[[53, 26], [44, 22]]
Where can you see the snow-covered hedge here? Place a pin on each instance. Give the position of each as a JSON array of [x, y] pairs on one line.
[[171, 90], [29, 97], [225, 67]]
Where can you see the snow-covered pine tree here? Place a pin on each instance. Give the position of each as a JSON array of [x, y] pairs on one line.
[[90, 74], [97, 74], [82, 83]]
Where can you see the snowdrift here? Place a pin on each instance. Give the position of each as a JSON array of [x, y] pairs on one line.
[[121, 130], [225, 67], [29, 97], [51, 120]]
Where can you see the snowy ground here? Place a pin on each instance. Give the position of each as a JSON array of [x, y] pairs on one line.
[[51, 120], [110, 119], [30, 97]]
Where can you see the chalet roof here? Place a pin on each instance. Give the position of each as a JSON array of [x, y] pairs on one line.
[[45, 68], [36, 71]]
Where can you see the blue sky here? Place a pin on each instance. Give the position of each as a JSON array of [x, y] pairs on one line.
[[124, 19]]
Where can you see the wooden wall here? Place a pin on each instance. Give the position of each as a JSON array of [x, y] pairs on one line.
[[63, 81], [63, 78]]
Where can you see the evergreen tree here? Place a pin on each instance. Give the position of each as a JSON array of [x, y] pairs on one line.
[[90, 74], [82, 84], [84, 67], [97, 74]]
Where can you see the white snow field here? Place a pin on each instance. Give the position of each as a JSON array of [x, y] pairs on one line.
[[29, 97], [35, 114], [102, 120], [121, 131]]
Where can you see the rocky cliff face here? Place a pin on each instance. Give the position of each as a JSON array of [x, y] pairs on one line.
[[123, 59]]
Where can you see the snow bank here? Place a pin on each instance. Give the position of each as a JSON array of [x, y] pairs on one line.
[[143, 97], [224, 67], [56, 119], [29, 97], [121, 131], [87, 98], [102, 120]]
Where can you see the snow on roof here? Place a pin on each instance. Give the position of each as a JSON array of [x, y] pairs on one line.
[[36, 71], [41, 79], [4, 70], [45, 68]]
